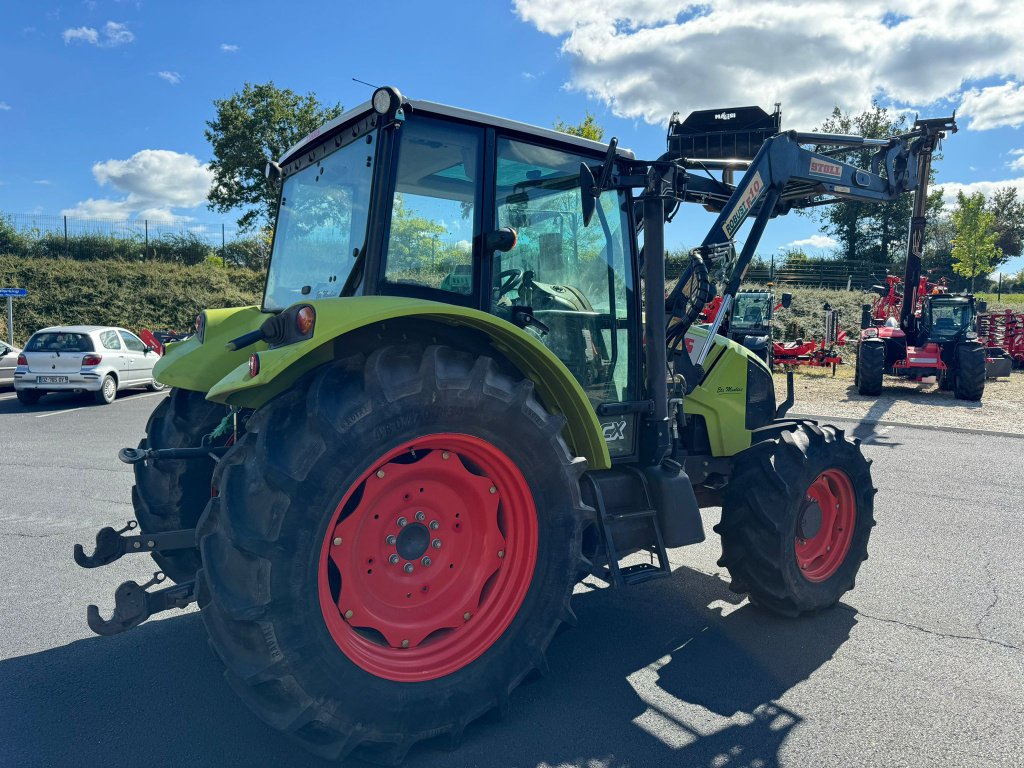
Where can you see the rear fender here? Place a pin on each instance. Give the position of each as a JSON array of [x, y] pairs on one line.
[[281, 367]]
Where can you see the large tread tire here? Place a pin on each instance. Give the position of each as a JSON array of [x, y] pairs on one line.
[[969, 377], [761, 513], [171, 495], [870, 367], [261, 541]]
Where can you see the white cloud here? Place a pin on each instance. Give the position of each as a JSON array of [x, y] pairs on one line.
[[171, 77], [153, 180], [987, 188], [84, 34], [996, 106], [43, 182], [1017, 164], [648, 58], [4, 106], [814, 241], [229, 47], [114, 34]]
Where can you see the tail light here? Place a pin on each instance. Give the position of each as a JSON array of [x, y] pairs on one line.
[[22, 360], [254, 364], [304, 320], [91, 360]]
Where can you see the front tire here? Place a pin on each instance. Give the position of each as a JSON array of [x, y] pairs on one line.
[[796, 520], [171, 495], [870, 367], [969, 377], [318, 599]]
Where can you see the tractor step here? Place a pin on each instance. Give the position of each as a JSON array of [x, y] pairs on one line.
[[133, 604], [628, 522], [111, 545]]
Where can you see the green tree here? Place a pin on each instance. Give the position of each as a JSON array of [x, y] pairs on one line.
[[414, 239], [1008, 211], [587, 128], [870, 232], [257, 124], [974, 249]]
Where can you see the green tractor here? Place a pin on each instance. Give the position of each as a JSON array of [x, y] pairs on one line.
[[382, 484]]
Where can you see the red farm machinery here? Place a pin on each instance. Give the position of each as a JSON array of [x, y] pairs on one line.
[[1002, 332]]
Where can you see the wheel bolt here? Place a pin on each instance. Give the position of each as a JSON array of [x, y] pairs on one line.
[[348, 614], [337, 542], [467, 616], [380, 473], [434, 525], [391, 540], [402, 522], [393, 559], [408, 568], [436, 543], [445, 455], [405, 643], [420, 516], [493, 489], [501, 553], [426, 562]]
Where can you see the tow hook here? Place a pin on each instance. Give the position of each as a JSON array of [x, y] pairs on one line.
[[135, 455], [133, 604], [111, 545]]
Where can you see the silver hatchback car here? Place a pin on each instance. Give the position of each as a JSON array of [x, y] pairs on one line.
[[84, 358]]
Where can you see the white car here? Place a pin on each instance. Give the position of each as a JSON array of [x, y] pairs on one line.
[[84, 358], [8, 362]]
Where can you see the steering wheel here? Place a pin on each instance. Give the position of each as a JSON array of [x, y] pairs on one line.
[[510, 280]]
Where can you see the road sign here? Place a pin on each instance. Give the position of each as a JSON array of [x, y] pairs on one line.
[[13, 292]]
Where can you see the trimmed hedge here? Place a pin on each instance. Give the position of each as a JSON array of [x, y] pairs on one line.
[[132, 295]]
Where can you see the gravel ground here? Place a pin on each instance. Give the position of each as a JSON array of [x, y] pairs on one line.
[[818, 393]]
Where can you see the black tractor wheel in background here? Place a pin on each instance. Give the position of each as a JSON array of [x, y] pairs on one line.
[[870, 367], [796, 519], [969, 376], [171, 495], [393, 547]]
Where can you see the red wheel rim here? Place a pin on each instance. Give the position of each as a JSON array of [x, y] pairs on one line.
[[428, 557], [825, 525]]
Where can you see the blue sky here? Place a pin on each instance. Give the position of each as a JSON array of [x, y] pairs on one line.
[[103, 103]]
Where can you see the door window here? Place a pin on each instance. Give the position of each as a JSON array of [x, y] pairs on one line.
[[433, 212], [577, 280], [133, 342]]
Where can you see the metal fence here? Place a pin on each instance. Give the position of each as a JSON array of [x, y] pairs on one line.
[[141, 239], [836, 273]]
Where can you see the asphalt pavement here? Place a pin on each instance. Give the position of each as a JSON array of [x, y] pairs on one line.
[[921, 665]]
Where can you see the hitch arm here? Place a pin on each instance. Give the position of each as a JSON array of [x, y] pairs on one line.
[[133, 604], [111, 545]]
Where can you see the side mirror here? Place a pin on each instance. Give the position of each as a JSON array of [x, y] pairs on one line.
[[787, 300], [503, 240]]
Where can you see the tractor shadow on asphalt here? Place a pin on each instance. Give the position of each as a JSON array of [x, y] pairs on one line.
[[665, 674]]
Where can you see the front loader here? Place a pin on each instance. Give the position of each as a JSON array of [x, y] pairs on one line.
[[382, 484]]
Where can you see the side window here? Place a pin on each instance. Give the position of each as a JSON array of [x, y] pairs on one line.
[[577, 280], [433, 212], [133, 342], [109, 340]]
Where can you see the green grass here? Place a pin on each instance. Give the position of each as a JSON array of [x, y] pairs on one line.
[[1006, 301]]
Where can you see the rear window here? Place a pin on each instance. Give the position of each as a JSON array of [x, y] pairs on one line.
[[58, 341]]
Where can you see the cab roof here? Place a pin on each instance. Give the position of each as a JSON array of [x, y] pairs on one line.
[[444, 111]]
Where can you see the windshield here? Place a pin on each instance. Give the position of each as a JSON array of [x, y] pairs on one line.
[[321, 226], [752, 310], [59, 341], [948, 319]]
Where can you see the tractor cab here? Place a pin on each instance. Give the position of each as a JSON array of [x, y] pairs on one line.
[[946, 318], [753, 313]]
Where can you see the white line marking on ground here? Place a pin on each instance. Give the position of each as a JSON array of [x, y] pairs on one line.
[[69, 410], [7, 397]]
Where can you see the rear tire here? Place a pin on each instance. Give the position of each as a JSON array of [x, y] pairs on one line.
[[29, 396], [155, 386], [107, 392], [171, 495], [796, 520], [870, 367], [315, 469], [969, 377]]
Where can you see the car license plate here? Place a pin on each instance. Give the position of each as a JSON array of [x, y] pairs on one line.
[[51, 379]]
